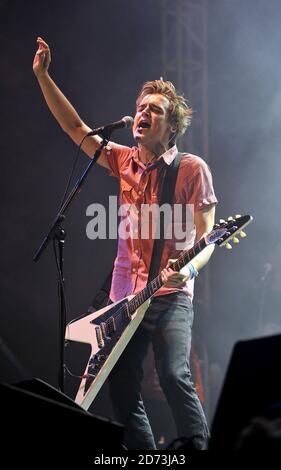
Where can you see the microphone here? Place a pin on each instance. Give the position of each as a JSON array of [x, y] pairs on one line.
[[126, 121], [267, 269]]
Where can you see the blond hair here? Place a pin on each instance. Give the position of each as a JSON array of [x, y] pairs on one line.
[[179, 111]]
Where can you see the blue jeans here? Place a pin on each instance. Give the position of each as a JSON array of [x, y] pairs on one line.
[[167, 323]]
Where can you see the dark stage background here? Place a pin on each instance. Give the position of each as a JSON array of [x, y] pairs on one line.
[[102, 52]]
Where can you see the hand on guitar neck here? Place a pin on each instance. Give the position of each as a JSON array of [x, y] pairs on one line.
[[171, 278]]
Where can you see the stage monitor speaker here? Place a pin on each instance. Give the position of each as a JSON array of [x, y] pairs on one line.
[[37, 418], [252, 388]]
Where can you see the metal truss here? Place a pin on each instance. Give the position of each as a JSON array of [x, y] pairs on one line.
[[184, 62]]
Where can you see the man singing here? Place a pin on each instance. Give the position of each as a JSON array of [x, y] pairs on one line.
[[161, 116]]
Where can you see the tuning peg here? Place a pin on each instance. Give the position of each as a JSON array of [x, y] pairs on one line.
[[235, 240], [222, 221], [242, 234], [237, 216], [228, 246], [230, 218]]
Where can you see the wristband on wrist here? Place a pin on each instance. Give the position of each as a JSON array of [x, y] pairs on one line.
[[193, 271]]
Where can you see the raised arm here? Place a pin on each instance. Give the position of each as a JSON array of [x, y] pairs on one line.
[[60, 107]]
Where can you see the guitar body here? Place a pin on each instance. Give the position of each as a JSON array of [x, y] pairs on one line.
[[108, 331]]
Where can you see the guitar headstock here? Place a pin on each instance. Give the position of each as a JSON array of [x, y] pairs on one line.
[[228, 230]]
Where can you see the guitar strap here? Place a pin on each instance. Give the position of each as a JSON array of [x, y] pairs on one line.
[[168, 190], [167, 197]]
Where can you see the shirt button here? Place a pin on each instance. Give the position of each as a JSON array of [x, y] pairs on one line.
[[134, 270], [139, 193]]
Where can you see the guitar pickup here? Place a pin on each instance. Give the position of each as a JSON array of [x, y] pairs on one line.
[[111, 327], [126, 314], [105, 330], [99, 337], [108, 328]]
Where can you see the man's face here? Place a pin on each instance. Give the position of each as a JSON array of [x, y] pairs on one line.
[[151, 127]]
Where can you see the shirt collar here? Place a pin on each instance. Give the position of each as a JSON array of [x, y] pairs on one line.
[[170, 155], [167, 156]]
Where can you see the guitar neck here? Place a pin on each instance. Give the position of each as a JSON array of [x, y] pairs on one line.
[[153, 286]]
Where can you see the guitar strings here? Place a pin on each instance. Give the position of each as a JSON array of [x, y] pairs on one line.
[[141, 297]]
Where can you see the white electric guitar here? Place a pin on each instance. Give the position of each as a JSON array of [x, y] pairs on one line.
[[109, 330]]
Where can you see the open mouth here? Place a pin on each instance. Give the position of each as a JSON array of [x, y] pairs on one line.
[[144, 125]]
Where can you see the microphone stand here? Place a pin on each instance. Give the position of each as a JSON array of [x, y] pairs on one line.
[[58, 235]]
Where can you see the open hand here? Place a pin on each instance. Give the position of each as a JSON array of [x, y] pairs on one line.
[[42, 58]]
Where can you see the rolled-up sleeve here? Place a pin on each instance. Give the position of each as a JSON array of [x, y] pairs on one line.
[[116, 156], [200, 186]]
